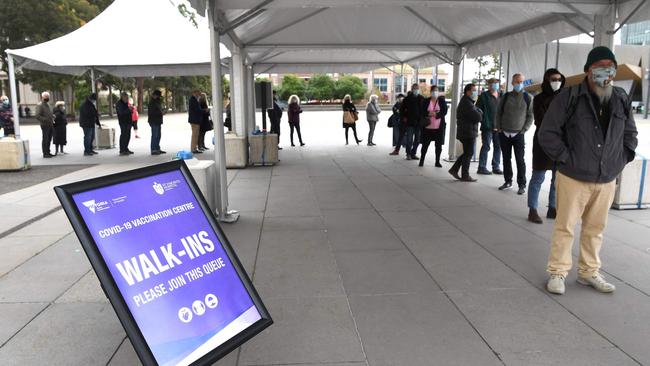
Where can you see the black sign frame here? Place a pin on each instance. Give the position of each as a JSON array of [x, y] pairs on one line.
[[65, 195]]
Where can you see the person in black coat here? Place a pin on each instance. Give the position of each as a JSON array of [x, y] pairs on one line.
[[275, 116], [155, 118], [551, 86], [468, 116], [88, 119], [194, 117], [60, 122], [435, 108], [411, 114], [206, 121], [394, 121], [124, 112], [348, 123]]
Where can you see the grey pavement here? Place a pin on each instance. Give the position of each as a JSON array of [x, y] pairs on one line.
[[362, 259]]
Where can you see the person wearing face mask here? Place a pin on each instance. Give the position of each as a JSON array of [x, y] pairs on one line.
[[372, 115], [435, 108], [88, 119], [394, 121], [468, 116], [155, 113], [513, 118], [46, 118], [350, 116], [60, 133], [411, 113], [6, 116], [488, 102], [551, 86], [275, 116], [590, 132]]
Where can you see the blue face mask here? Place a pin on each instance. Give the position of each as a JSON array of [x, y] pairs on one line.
[[416, 91], [5, 103], [495, 86], [475, 94], [601, 75], [518, 87]]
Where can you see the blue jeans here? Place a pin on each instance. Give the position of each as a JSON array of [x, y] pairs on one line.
[[89, 136], [535, 186], [490, 137], [155, 137]]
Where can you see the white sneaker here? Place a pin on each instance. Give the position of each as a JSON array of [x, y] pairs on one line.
[[598, 282], [555, 284]]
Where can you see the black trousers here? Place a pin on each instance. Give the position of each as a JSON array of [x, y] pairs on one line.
[[48, 133], [428, 136], [275, 128], [518, 144], [202, 139], [296, 126], [354, 130], [465, 159], [125, 136]]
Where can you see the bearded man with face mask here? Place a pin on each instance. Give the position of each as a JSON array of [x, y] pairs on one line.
[[589, 131]]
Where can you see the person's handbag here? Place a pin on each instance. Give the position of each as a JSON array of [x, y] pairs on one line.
[[348, 118], [355, 114], [391, 121]]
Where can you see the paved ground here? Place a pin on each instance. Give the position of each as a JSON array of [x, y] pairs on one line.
[[362, 259], [13, 181]]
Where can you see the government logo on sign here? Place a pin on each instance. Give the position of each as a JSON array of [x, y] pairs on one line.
[[158, 188], [91, 205]]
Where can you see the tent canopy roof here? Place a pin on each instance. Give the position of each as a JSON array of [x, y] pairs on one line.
[[300, 34], [123, 42]]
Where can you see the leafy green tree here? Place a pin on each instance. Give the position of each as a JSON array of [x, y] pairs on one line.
[[349, 85], [321, 87], [291, 84]]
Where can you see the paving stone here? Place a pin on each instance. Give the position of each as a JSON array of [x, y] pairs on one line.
[[338, 193], [385, 195], [296, 263], [18, 249], [421, 329], [55, 224], [359, 229], [244, 236], [66, 334], [293, 224], [14, 316], [88, 289], [306, 330]]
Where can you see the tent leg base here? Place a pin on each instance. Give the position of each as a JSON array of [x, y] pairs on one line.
[[229, 217]]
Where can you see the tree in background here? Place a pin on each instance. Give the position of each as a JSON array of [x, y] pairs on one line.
[[488, 66], [349, 85], [321, 87], [291, 84]]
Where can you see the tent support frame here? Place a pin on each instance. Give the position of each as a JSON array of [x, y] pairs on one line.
[[14, 95]]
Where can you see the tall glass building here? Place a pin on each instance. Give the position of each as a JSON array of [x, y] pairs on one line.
[[636, 33]]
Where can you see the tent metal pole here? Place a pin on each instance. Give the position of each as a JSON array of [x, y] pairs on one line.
[[14, 97], [221, 186], [500, 66], [93, 82], [545, 56], [455, 98], [401, 79], [508, 72], [557, 53]]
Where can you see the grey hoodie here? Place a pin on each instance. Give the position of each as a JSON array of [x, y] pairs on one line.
[[372, 112]]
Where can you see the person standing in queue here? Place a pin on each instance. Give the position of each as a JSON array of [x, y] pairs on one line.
[[372, 115], [551, 86], [590, 132], [206, 121], [195, 116], [124, 113], [6, 117], [45, 116], [60, 123], [88, 119], [294, 118], [134, 118], [514, 117], [350, 117], [155, 118], [488, 102], [435, 108], [395, 122], [411, 113], [275, 116], [468, 117]]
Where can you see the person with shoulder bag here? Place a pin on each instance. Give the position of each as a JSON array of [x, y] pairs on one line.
[[435, 110], [350, 117]]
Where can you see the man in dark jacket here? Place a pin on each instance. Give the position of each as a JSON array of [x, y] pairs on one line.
[[46, 118], [195, 115], [88, 119], [410, 114], [124, 111], [488, 102], [589, 131], [468, 116], [551, 86], [275, 116], [155, 114], [514, 117]]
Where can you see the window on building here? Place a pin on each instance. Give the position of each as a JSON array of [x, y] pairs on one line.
[[381, 84], [441, 85], [423, 81], [399, 84]]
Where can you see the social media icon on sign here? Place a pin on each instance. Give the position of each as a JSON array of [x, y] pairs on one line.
[[198, 307], [185, 315], [211, 301]]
